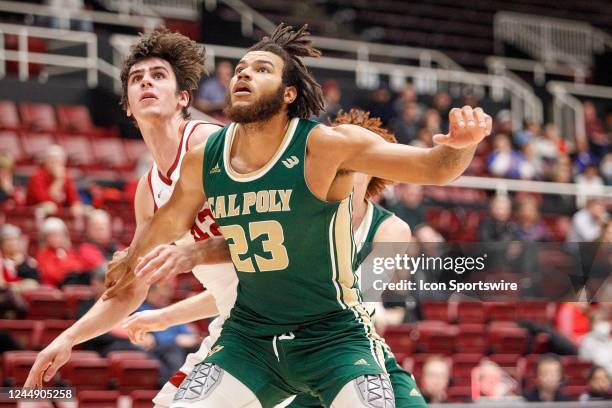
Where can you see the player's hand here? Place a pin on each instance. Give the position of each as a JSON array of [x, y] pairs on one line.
[[468, 127], [141, 323], [165, 262], [118, 274], [48, 361]]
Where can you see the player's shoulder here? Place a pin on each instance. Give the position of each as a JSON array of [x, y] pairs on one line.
[[326, 137], [393, 229], [201, 132]]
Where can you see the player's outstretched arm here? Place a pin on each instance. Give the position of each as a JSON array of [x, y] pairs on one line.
[[358, 149], [200, 306], [169, 223]]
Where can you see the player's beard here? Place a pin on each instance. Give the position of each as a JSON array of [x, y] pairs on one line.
[[260, 110]]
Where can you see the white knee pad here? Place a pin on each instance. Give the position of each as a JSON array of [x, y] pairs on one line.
[[367, 391], [209, 386]]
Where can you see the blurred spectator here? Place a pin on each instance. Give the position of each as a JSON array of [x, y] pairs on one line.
[[424, 138], [17, 262], [117, 338], [598, 386], [99, 246], [435, 380], [380, 105], [211, 95], [169, 346], [584, 157], [60, 7], [7, 189], [503, 161], [497, 226], [531, 167], [145, 161], [572, 320], [441, 103], [410, 207], [550, 145], [406, 126], [51, 187], [605, 167], [596, 346], [57, 262], [434, 122], [407, 96], [608, 121], [527, 135], [587, 223], [548, 381], [331, 101], [427, 234], [564, 204], [493, 383], [503, 122], [589, 183], [530, 226], [598, 138]]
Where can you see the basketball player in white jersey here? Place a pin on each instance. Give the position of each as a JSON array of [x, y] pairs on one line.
[[159, 78]]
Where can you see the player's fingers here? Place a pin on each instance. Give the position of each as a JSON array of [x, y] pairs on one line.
[[143, 261], [160, 273], [468, 116], [479, 115], [455, 118], [50, 372], [441, 139], [489, 124], [150, 266]]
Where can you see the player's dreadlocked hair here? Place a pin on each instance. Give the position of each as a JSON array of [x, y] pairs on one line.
[[292, 46], [362, 118], [185, 57]]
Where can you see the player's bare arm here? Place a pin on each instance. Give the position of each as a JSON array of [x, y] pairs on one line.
[[352, 148], [200, 306], [168, 224]]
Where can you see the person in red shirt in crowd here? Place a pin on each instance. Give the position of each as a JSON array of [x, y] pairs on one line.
[[51, 187], [100, 246], [58, 263], [572, 320], [17, 264]]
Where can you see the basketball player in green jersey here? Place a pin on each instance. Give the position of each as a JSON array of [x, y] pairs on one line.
[[280, 188]]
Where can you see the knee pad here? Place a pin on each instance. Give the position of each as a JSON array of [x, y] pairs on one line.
[[366, 391]]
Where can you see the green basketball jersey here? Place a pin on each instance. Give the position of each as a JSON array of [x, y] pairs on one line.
[[364, 236], [293, 252]]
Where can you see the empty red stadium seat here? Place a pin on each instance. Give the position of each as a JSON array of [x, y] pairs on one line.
[[22, 331], [507, 340], [78, 149], [86, 373], [470, 312], [35, 144], [574, 391], [537, 311], [500, 311], [401, 339], [436, 338], [138, 374], [470, 338], [463, 364], [575, 370], [142, 398], [98, 399], [49, 330], [38, 116], [10, 144], [459, 393], [17, 365], [9, 118], [75, 118], [75, 294], [110, 152], [44, 304], [435, 310]]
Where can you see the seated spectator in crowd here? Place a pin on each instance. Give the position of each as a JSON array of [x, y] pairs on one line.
[[99, 246], [432, 121], [527, 135], [589, 183], [530, 227], [117, 338], [599, 386], [605, 168], [550, 145], [172, 345], [584, 157], [599, 139], [435, 380], [58, 263], [498, 226], [7, 188], [380, 105], [503, 161], [549, 373], [560, 203], [51, 187], [587, 223], [532, 167], [424, 138], [503, 122], [407, 96], [331, 101], [596, 346], [441, 103], [212, 91], [18, 264], [572, 320], [410, 207], [493, 383], [406, 125]]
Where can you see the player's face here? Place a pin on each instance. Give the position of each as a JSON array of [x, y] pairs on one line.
[[152, 90], [256, 89]]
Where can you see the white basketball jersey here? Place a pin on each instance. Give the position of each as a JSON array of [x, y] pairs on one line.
[[221, 279]]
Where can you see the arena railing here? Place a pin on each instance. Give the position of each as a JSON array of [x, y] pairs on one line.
[[539, 69], [550, 40], [524, 103], [64, 15]]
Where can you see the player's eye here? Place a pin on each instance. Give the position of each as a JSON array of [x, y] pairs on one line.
[[136, 78], [158, 75], [239, 69], [263, 69]]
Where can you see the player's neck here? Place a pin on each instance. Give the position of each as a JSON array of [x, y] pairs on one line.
[[163, 139], [260, 139], [359, 211]]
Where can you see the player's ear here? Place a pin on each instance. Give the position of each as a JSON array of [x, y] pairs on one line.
[[183, 99], [128, 111], [290, 94]]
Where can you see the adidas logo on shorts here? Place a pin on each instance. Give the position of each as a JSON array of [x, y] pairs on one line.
[[415, 393], [361, 361]]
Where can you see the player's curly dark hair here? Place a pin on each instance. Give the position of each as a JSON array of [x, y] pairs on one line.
[[292, 46], [185, 57], [362, 118]]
